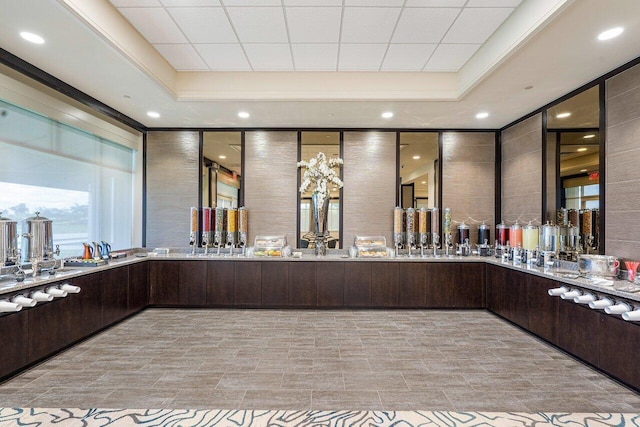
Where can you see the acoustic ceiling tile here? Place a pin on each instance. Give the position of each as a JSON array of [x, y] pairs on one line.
[[154, 24], [451, 57], [204, 24], [424, 25], [435, 3], [314, 24], [368, 24], [476, 25], [376, 3], [316, 3], [259, 24], [269, 57], [182, 57], [315, 57], [190, 3], [135, 3], [494, 3], [232, 3], [223, 57], [361, 57], [407, 57]]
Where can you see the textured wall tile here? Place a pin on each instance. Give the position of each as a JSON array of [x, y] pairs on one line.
[[270, 179], [369, 184], [172, 186], [531, 125], [623, 82], [623, 168], [623, 137], [624, 108]]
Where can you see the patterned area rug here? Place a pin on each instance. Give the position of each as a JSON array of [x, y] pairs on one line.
[[239, 418]]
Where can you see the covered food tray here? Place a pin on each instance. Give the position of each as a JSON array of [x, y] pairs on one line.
[[371, 246], [269, 246]]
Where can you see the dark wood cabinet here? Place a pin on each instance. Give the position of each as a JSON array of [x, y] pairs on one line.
[[578, 330], [164, 277], [412, 284], [330, 284], [48, 328], [385, 284], [543, 309], [85, 308], [138, 287], [220, 278], [619, 349], [302, 284], [192, 288], [115, 294], [507, 294], [357, 284], [275, 284], [13, 330], [247, 284], [469, 286]]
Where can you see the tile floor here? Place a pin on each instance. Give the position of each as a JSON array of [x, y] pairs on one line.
[[364, 360]]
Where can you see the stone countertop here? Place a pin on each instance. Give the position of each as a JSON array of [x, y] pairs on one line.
[[609, 287]]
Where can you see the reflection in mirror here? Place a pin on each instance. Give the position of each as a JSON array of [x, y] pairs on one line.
[[221, 169], [573, 169], [311, 144], [419, 169]]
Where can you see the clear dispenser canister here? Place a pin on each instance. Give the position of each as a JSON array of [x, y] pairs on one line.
[[530, 237], [435, 221], [397, 226], [424, 221], [484, 234], [463, 233], [515, 235], [206, 220], [446, 222], [194, 220], [411, 226], [549, 237], [502, 234], [243, 220]]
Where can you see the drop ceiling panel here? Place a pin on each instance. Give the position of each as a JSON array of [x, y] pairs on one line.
[[361, 57], [312, 3], [378, 3], [368, 24], [189, 3], [224, 57], [314, 24], [450, 56], [315, 57], [269, 57], [407, 57], [476, 25], [251, 2], [204, 24], [154, 24], [412, 27], [182, 57], [494, 3], [259, 24], [435, 3], [135, 3]]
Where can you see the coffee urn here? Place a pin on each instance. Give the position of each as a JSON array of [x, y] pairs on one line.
[[37, 241], [8, 242]]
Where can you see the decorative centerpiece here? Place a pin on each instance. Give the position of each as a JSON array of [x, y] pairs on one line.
[[321, 173]]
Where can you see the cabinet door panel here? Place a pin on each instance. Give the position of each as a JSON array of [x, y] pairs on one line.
[[578, 330], [138, 286], [13, 330], [469, 291], [357, 284], [115, 293], [164, 277], [302, 284], [440, 285], [220, 278], [192, 289], [330, 283], [247, 288], [619, 347], [48, 328], [86, 307], [543, 308], [275, 284], [412, 285], [384, 284]]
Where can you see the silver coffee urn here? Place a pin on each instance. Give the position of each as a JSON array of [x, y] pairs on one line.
[[8, 242], [37, 243]]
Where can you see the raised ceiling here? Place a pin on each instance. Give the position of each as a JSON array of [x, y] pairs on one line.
[[316, 35], [547, 46]]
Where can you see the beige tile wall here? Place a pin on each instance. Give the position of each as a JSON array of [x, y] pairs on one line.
[[172, 187], [468, 178], [270, 183], [522, 171], [369, 192], [622, 205]]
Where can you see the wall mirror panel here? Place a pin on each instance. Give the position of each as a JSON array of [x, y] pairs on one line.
[[221, 169], [573, 169], [312, 143], [419, 164]]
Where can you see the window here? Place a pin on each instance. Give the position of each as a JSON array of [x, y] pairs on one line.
[[81, 182]]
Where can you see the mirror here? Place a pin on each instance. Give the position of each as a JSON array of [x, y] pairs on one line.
[[221, 169], [573, 165], [311, 143], [419, 166]]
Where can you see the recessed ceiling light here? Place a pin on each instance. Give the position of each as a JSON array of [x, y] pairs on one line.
[[528, 87], [243, 115], [223, 156], [580, 150], [562, 115], [126, 96], [387, 115], [591, 135], [416, 157], [423, 182], [153, 114], [30, 37], [610, 34], [482, 115], [583, 170]]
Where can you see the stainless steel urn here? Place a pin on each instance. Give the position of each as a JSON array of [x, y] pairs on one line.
[[37, 239], [8, 242]]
